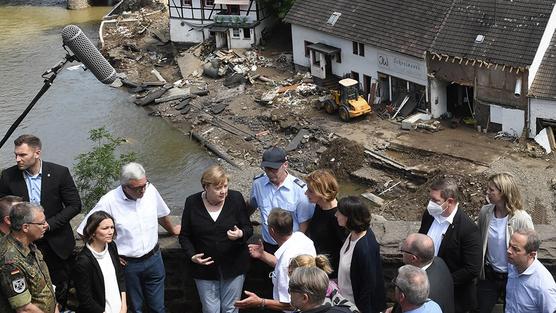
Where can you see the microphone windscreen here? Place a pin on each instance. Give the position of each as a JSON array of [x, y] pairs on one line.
[[88, 54]]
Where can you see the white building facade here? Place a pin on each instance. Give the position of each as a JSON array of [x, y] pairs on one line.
[[326, 55], [233, 23]]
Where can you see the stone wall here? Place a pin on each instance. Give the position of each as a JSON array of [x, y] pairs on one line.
[[77, 4]]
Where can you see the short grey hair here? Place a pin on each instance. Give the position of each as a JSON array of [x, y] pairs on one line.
[[23, 213], [131, 171], [310, 280], [414, 283], [533, 241]]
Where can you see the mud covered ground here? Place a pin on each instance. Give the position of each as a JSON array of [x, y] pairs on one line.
[[245, 126]]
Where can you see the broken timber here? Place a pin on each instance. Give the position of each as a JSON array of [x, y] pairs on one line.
[[151, 96], [373, 198], [297, 140], [395, 165], [224, 156]]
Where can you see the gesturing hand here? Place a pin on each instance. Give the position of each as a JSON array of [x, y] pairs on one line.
[[256, 250], [251, 301], [234, 234], [198, 258]]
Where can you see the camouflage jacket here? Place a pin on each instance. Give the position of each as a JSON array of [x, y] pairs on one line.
[[24, 277]]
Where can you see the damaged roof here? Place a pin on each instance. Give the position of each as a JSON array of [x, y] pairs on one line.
[[405, 26], [544, 83], [512, 29]]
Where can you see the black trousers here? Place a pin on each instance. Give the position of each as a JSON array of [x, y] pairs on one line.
[[491, 289], [59, 270]]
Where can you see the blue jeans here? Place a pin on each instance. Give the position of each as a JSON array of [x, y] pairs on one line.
[[145, 281], [220, 295]]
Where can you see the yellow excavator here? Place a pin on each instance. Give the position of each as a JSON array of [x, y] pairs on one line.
[[347, 101]]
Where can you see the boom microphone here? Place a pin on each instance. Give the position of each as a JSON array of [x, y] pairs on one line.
[[88, 54]]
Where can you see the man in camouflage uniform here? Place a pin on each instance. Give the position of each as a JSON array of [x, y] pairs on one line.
[[25, 284]]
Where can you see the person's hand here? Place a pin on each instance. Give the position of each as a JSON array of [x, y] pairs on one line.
[[256, 250], [389, 310], [123, 262], [176, 230], [57, 308], [252, 301], [198, 258], [234, 234]]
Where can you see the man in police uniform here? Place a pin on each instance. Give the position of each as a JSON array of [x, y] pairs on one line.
[[276, 188], [25, 284]]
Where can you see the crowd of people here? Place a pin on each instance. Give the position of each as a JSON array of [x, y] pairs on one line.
[[320, 251]]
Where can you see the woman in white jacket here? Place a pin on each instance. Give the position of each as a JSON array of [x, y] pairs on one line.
[[497, 221]]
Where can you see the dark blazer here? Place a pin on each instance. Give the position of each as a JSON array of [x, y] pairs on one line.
[[367, 279], [461, 250], [441, 285], [59, 198], [89, 281], [201, 234]]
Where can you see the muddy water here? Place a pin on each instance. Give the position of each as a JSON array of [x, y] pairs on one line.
[[30, 43]]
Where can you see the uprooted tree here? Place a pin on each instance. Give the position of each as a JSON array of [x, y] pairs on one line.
[[97, 170]]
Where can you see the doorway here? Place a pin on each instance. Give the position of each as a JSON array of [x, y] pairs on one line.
[[459, 100]]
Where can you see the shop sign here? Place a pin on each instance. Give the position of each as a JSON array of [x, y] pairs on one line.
[[396, 64]]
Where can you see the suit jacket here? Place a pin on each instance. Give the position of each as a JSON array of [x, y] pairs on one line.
[[441, 285], [59, 198], [89, 281], [461, 250], [367, 278]]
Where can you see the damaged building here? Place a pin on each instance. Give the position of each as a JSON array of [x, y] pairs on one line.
[[461, 58], [232, 23]]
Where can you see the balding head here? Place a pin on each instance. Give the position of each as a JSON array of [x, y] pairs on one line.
[[418, 250]]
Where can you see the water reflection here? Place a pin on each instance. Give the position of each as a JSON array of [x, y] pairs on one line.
[[30, 43]]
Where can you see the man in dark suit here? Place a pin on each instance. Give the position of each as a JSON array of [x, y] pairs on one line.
[[418, 250], [52, 186], [456, 240]]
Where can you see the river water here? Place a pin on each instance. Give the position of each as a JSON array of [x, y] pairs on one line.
[[30, 43]]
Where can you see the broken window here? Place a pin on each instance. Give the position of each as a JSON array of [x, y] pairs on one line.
[[307, 50], [186, 3], [339, 57], [235, 32], [233, 9], [333, 18], [246, 33], [358, 48]]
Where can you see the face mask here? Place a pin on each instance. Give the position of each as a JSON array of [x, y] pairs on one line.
[[435, 209]]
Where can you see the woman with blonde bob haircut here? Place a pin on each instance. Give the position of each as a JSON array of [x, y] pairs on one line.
[[497, 221], [215, 229], [333, 296], [327, 235]]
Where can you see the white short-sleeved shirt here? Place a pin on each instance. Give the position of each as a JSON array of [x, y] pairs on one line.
[[296, 245], [532, 291], [290, 196], [344, 268], [136, 220]]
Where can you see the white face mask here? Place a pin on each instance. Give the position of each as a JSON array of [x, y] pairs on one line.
[[435, 209]]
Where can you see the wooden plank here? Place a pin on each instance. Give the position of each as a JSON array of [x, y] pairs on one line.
[[373, 198], [297, 140]]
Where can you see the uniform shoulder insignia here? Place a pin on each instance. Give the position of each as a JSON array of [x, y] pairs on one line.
[[258, 176], [300, 183]]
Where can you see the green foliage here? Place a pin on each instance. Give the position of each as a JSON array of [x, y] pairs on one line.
[[97, 170], [278, 7]]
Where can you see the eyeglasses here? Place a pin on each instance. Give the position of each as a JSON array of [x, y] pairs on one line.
[[396, 285], [405, 251], [36, 223], [139, 188]]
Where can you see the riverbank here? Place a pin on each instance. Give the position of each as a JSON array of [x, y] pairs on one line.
[[256, 99]]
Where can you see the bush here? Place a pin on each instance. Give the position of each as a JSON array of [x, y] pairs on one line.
[[97, 170]]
